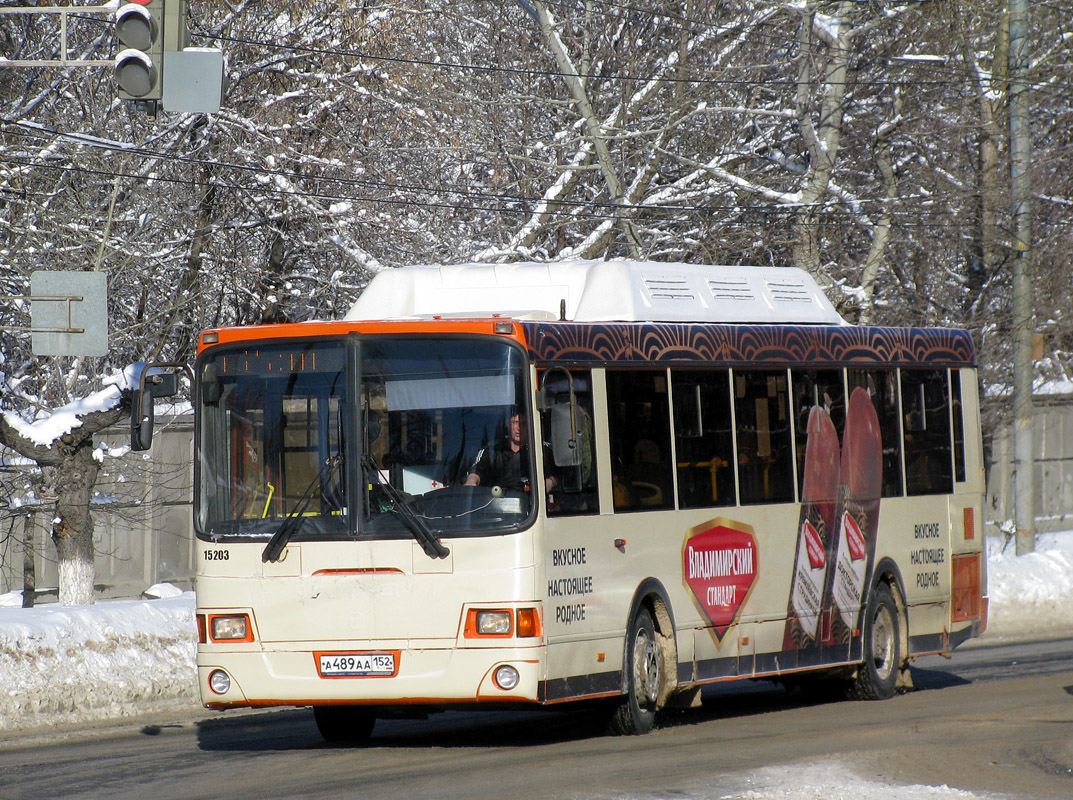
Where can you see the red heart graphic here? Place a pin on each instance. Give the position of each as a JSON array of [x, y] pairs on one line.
[[719, 565]]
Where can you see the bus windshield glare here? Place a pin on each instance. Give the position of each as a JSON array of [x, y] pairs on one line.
[[434, 418]]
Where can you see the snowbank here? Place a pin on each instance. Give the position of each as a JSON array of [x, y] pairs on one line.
[[115, 659], [1031, 596], [127, 658]]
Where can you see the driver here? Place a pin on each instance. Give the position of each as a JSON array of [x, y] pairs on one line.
[[507, 464]]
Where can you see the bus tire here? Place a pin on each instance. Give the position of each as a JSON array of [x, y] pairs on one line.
[[636, 712], [345, 723], [877, 676]]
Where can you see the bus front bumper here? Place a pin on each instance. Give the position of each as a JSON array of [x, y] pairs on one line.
[[433, 677]]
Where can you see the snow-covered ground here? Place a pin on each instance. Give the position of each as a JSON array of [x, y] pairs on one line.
[[62, 666], [67, 665]]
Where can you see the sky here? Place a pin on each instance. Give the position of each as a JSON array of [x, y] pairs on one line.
[[64, 666]]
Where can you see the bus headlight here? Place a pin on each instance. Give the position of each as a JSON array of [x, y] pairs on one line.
[[489, 622], [231, 628], [506, 677], [219, 681], [494, 623]]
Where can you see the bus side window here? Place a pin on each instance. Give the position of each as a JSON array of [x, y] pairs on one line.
[[571, 488], [816, 387], [882, 387], [639, 422], [703, 441], [765, 454], [957, 415], [926, 415]]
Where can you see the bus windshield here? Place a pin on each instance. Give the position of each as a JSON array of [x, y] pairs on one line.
[[442, 424]]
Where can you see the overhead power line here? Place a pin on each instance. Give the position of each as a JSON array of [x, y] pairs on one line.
[[589, 210]]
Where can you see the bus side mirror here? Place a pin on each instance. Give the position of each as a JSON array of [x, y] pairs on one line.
[[151, 384], [571, 445], [141, 420], [571, 432], [565, 446]]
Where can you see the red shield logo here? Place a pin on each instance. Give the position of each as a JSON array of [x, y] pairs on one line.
[[817, 557], [854, 538], [719, 565]]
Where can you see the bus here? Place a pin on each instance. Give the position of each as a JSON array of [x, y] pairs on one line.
[[610, 482]]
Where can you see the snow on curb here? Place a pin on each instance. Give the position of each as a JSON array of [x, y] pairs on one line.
[[1031, 596], [114, 659]]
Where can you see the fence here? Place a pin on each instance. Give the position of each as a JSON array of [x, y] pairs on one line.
[[1053, 447]]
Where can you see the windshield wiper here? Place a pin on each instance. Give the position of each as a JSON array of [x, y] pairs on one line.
[[294, 520], [401, 508]]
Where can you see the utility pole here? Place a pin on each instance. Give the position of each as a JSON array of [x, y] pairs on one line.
[[1021, 191]]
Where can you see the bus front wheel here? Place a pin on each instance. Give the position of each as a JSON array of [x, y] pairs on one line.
[[877, 675], [345, 723], [636, 712]]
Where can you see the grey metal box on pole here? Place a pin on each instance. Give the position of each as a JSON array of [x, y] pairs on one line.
[[193, 80]]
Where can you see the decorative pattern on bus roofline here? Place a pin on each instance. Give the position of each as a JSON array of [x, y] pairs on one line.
[[608, 342]]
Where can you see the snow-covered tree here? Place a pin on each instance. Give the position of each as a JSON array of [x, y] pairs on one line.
[[63, 447]]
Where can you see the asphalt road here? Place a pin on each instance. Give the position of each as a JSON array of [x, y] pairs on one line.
[[991, 720]]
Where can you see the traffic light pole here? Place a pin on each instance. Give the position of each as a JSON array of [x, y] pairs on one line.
[[176, 36]]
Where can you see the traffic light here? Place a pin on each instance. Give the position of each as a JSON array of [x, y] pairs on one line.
[[139, 66]]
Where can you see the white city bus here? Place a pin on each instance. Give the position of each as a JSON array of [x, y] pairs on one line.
[[524, 485]]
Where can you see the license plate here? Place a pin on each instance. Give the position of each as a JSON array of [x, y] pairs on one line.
[[338, 665]]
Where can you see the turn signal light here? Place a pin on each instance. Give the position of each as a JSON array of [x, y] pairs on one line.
[[528, 623], [969, 522]]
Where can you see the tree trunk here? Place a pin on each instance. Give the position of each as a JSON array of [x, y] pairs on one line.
[[29, 573], [822, 138], [72, 525]]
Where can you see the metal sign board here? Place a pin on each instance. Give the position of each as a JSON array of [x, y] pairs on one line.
[[69, 313], [193, 80]]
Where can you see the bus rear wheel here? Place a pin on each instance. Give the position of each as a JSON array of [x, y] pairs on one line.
[[636, 712], [877, 675], [345, 723]]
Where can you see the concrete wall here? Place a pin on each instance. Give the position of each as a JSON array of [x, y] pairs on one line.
[[1053, 448]]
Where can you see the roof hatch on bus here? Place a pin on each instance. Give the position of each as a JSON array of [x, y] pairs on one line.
[[599, 291]]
